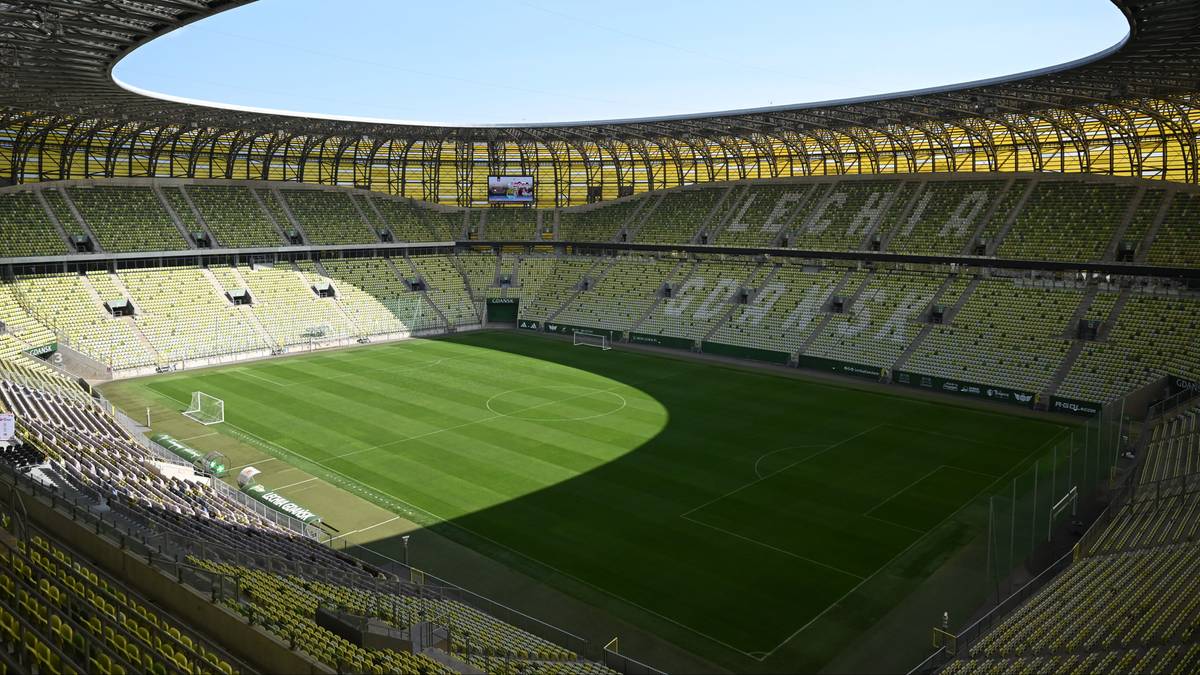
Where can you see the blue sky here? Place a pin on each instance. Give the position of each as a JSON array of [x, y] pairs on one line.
[[466, 61]]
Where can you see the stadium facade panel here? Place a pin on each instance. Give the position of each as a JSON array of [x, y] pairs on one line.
[[1126, 111]]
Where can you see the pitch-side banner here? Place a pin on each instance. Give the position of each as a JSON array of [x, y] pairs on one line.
[[1004, 394], [281, 504], [1074, 406], [567, 329]]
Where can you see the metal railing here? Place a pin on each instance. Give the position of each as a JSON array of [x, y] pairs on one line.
[[994, 616]]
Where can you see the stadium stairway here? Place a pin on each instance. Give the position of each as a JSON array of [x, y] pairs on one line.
[[199, 217], [997, 202], [897, 217], [679, 274], [424, 294], [758, 276], [1144, 246], [286, 208], [896, 198], [943, 293], [173, 215], [632, 218], [860, 279], [466, 278], [270, 201], [246, 312], [1077, 346], [678, 278], [1085, 304], [323, 276], [132, 320], [594, 275], [88, 281], [1064, 368], [1135, 203], [726, 211], [1014, 211], [279, 227], [353, 197], [1011, 219], [722, 209], [250, 313], [79, 220], [40, 196], [1114, 314], [641, 217]]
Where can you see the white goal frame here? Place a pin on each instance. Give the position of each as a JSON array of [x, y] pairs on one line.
[[590, 340], [205, 409]]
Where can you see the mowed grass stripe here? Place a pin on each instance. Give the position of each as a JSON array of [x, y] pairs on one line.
[[599, 500]]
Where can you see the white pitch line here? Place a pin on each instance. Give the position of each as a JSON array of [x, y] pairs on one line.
[[369, 527], [301, 482], [895, 524], [192, 438], [908, 548], [774, 548], [478, 421], [261, 461], [779, 450], [256, 376], [781, 470], [953, 437], [506, 547], [302, 489], [420, 366], [977, 473], [904, 489]]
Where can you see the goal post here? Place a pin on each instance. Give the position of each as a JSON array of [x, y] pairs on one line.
[[1068, 503], [205, 409], [590, 340]]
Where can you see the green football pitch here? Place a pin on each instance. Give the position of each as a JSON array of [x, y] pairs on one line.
[[753, 519]]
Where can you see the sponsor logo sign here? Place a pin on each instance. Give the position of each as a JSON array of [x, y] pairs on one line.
[[44, 349], [644, 339], [529, 325], [281, 503], [965, 388], [1075, 407], [845, 367]]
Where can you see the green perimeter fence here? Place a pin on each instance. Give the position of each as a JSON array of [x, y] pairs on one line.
[[1054, 505]]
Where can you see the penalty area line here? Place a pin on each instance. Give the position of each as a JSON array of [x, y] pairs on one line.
[[248, 373], [906, 549], [782, 469], [299, 482], [786, 552]]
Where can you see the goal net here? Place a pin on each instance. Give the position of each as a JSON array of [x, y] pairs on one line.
[[589, 340], [206, 409]]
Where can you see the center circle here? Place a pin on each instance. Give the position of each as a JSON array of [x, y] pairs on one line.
[[551, 403]]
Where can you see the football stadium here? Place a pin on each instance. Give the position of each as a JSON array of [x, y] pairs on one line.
[[902, 383]]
